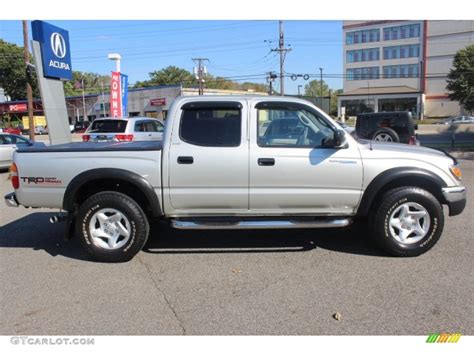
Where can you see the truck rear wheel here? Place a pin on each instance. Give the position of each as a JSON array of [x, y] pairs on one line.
[[408, 221], [112, 227]]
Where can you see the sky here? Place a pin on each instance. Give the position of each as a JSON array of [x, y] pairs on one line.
[[238, 50]]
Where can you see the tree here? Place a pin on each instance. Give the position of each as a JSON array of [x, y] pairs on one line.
[[461, 78], [173, 75], [313, 88], [13, 71], [92, 83], [170, 75], [334, 93]]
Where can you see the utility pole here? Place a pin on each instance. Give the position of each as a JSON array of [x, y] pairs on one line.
[[199, 72], [29, 91], [103, 98], [321, 86], [83, 100], [283, 51], [299, 89]]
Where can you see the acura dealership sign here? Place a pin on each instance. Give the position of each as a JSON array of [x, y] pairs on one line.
[[55, 50]]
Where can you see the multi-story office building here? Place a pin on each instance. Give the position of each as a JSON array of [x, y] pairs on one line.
[[401, 66]]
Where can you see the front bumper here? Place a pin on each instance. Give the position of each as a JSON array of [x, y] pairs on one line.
[[455, 198], [10, 200]]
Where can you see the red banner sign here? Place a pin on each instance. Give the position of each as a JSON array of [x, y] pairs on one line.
[[18, 108], [158, 102], [115, 96]]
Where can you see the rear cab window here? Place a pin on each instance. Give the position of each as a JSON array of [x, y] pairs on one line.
[[108, 126]]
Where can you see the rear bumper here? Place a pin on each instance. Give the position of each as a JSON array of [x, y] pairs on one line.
[[11, 201], [455, 198]]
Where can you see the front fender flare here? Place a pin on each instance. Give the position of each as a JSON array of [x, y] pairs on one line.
[[391, 176]]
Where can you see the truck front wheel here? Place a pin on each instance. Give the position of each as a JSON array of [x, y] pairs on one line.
[[408, 221], [112, 227]]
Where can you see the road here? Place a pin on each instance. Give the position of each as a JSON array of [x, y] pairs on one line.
[[221, 282]]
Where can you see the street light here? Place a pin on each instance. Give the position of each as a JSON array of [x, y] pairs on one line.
[[116, 57]]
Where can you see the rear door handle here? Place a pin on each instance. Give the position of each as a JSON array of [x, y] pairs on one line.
[[266, 161], [185, 160]]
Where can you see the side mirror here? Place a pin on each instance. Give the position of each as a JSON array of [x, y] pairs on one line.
[[339, 140]]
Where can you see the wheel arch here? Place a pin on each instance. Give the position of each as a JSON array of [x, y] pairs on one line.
[[399, 177], [129, 183]]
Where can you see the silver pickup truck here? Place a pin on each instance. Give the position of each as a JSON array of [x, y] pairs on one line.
[[241, 162]]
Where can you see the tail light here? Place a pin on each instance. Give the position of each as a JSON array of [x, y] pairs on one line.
[[123, 137], [412, 140], [86, 137], [14, 175]]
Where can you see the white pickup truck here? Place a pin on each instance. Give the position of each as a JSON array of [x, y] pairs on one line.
[[241, 162]]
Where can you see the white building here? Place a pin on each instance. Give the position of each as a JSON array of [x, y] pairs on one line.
[[385, 63]]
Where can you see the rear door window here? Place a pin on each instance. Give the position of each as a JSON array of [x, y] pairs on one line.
[[108, 126], [211, 127]]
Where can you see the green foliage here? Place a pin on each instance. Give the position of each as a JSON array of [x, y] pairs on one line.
[[173, 75], [313, 88], [170, 75], [13, 71], [333, 108], [92, 83], [461, 78]]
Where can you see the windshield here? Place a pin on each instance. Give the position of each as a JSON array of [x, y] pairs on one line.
[[108, 126]]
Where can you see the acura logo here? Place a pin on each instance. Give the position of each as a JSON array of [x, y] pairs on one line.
[[58, 45]]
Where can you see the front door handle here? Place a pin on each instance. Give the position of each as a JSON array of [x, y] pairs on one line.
[[185, 160], [266, 161]]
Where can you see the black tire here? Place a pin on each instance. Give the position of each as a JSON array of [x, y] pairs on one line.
[[137, 222], [381, 212], [387, 131]]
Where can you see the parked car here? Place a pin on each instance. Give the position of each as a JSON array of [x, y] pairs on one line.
[[81, 126], [457, 120], [215, 169], [394, 127], [8, 144], [40, 130], [11, 130], [124, 130], [71, 128]]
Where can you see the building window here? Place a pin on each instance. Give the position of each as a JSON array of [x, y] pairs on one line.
[[401, 32], [364, 36], [400, 71], [397, 52], [362, 73], [354, 107], [363, 55]]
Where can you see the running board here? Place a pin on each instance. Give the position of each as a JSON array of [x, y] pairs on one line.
[[261, 224]]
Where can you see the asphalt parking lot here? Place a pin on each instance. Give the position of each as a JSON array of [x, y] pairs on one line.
[[221, 282]]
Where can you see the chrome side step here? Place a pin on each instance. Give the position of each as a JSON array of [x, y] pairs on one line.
[[261, 224]]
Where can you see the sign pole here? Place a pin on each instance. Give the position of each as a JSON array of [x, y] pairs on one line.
[[29, 91]]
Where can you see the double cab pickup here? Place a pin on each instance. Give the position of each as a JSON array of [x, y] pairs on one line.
[[241, 162]]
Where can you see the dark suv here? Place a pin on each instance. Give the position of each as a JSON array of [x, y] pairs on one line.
[[386, 127], [81, 126]]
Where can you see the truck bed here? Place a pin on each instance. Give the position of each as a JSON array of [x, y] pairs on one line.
[[45, 172]]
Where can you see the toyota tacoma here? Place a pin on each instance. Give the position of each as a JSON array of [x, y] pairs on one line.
[[241, 162]]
